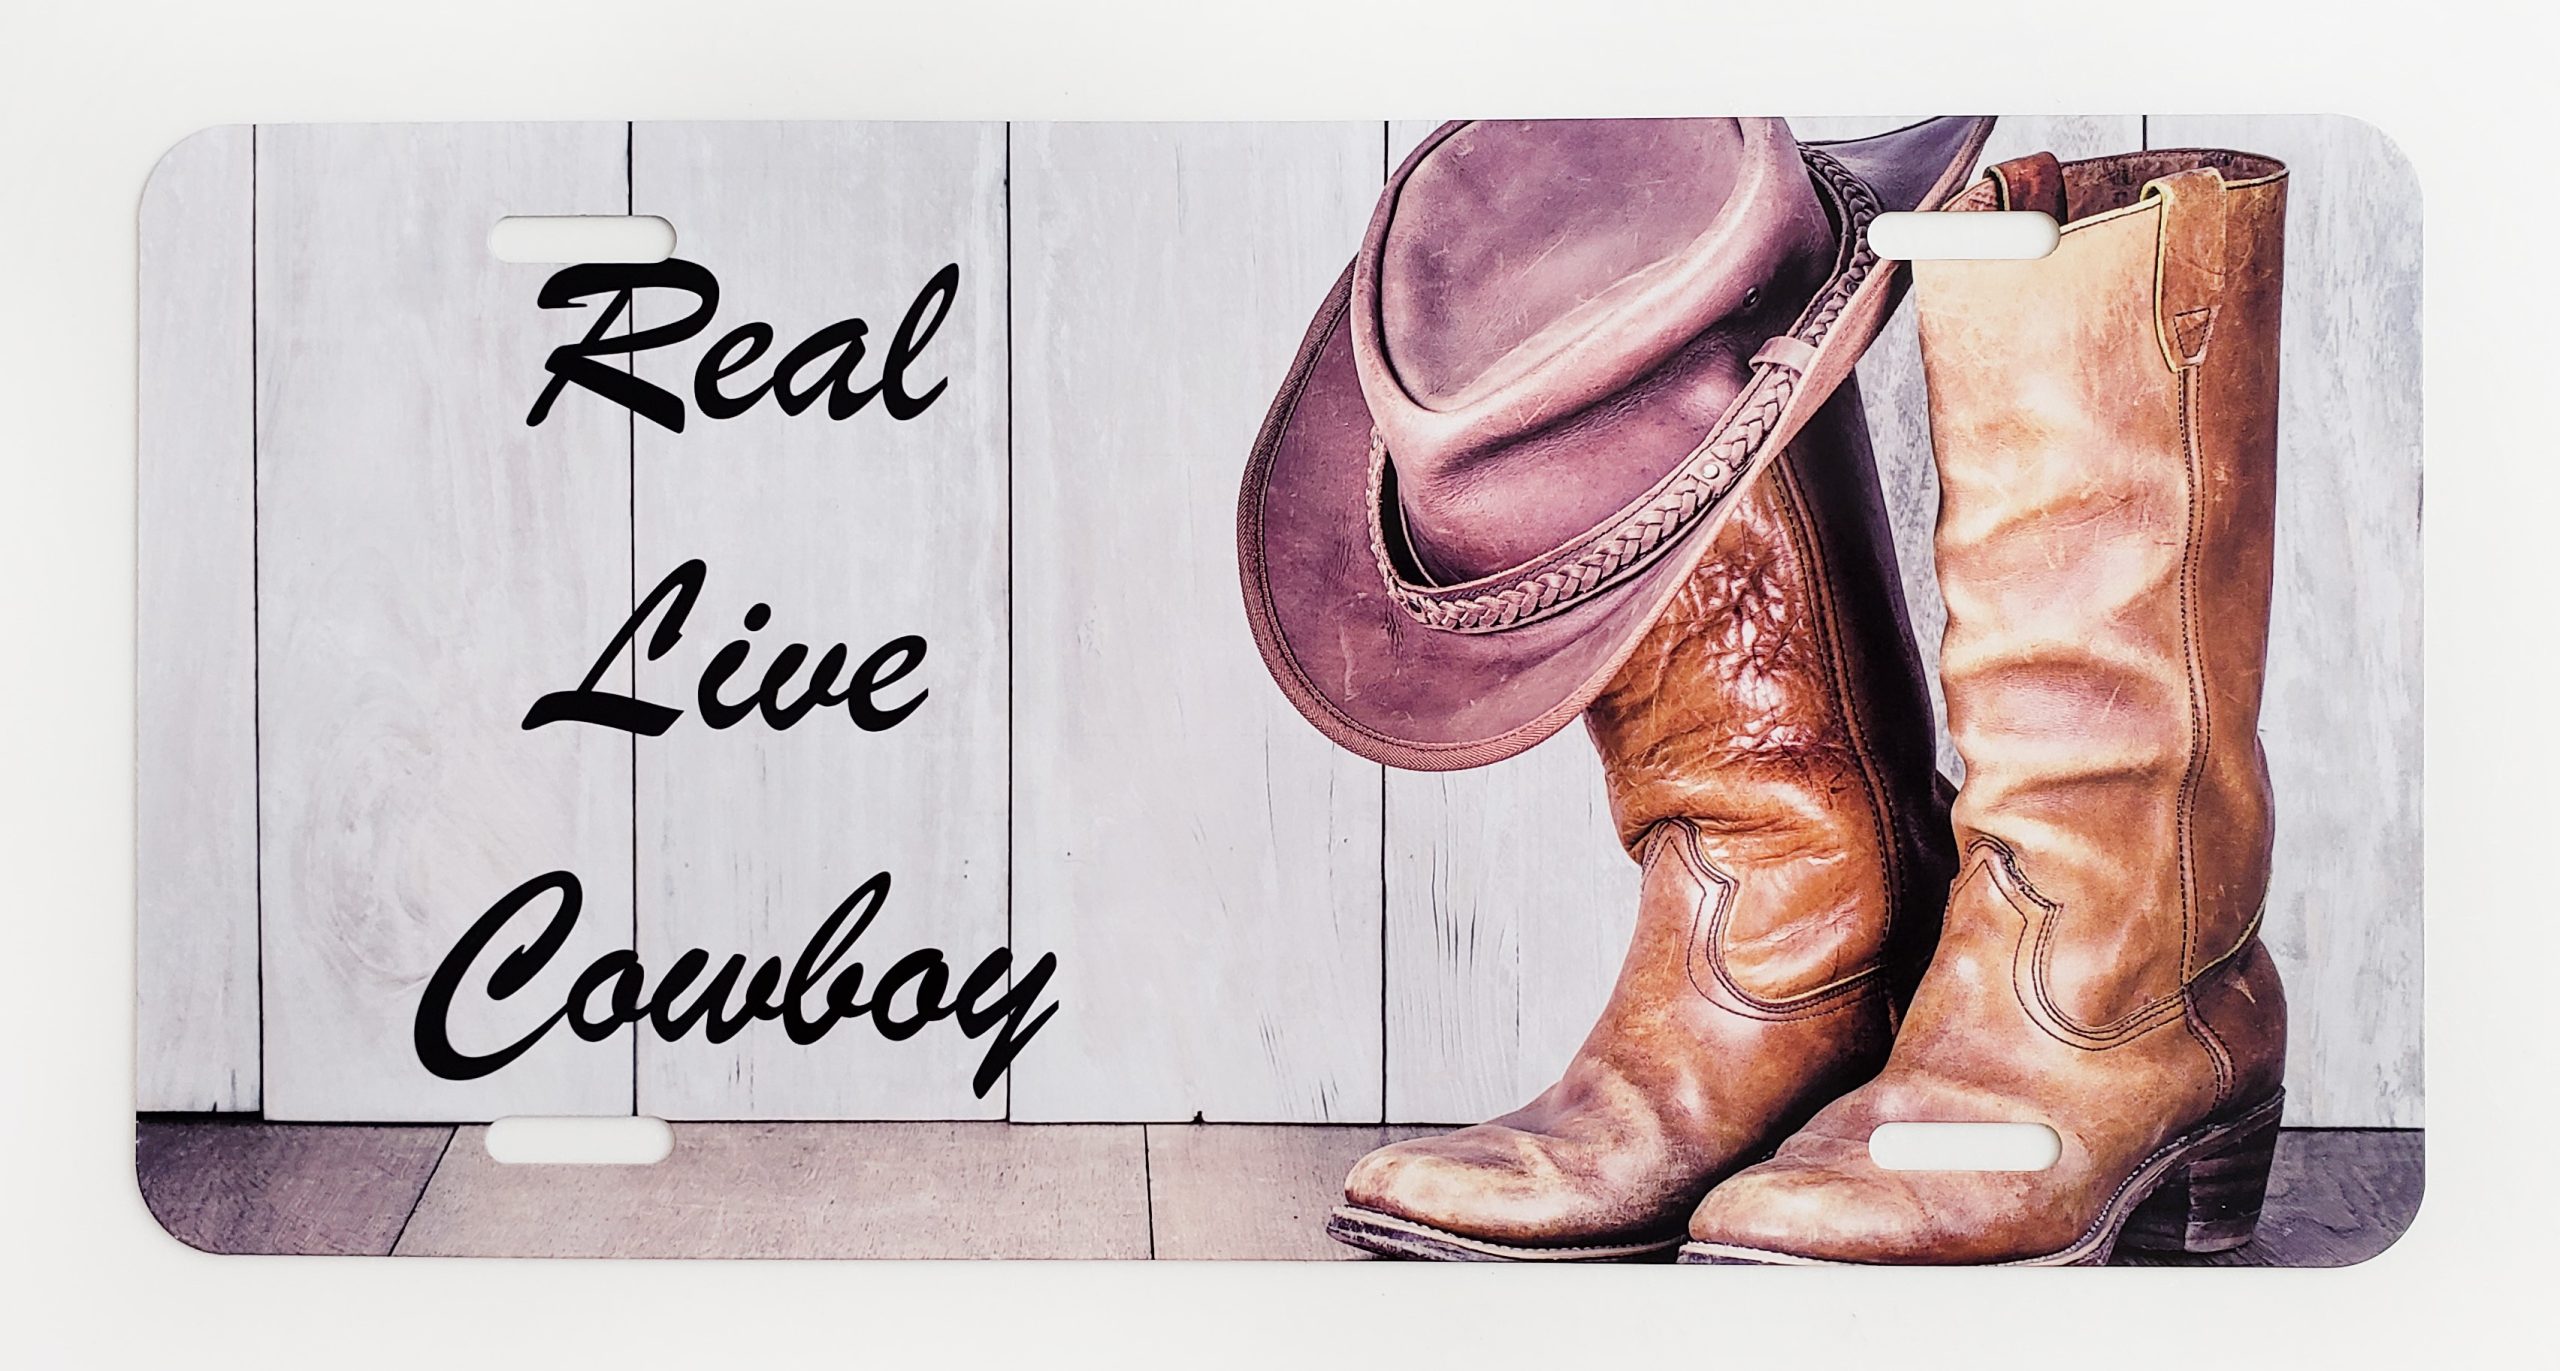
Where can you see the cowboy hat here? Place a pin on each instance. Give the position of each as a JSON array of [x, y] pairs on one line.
[[1563, 349]]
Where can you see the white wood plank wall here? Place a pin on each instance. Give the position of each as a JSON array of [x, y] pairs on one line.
[[1204, 863], [428, 566], [856, 532], [195, 660], [1251, 924]]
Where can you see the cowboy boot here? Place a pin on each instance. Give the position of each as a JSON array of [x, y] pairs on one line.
[[2105, 428], [1770, 765]]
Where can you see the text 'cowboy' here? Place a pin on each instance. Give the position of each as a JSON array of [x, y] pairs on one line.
[[818, 991]]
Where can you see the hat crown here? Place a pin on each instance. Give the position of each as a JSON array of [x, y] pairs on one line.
[[1547, 316]]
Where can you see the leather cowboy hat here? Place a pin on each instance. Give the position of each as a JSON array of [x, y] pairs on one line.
[[1564, 347]]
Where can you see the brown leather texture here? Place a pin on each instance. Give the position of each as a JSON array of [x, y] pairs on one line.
[[2104, 420], [1512, 429], [1769, 764], [1547, 323]]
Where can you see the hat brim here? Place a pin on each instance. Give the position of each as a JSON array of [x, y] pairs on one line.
[[1380, 683]]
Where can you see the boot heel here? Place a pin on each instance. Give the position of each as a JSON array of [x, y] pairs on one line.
[[2210, 1203]]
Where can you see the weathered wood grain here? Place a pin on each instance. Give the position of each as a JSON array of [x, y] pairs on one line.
[[195, 632], [1253, 1192], [429, 566], [1203, 862], [894, 1190], [853, 531], [1403, 136], [2336, 1197], [2344, 720], [247, 1186], [1510, 903]]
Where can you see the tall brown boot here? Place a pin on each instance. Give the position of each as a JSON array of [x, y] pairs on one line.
[[2105, 429], [1769, 763]]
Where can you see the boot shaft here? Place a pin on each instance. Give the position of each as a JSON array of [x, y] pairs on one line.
[[1778, 709], [2104, 420], [2104, 425]]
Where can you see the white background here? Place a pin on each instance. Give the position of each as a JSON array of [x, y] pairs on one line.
[[93, 94]]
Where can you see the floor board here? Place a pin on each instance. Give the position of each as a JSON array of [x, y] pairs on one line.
[[1253, 1191], [247, 1186], [920, 1190], [805, 1190]]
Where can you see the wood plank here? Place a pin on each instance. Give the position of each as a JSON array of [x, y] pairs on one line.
[[1510, 903], [1403, 136], [195, 637], [854, 531], [2336, 1197], [1203, 862], [429, 566], [1253, 1192], [244, 1186], [2344, 722], [891, 1190]]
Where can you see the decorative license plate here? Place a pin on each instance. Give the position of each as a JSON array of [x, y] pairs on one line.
[[1521, 690]]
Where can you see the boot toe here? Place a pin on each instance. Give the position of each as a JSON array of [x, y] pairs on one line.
[[1488, 1182], [1814, 1214]]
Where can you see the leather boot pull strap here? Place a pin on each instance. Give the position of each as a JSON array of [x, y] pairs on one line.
[[2032, 182], [2189, 267]]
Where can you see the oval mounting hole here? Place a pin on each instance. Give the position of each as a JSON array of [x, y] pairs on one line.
[[1964, 1146], [2009, 235], [561, 238], [552, 1140]]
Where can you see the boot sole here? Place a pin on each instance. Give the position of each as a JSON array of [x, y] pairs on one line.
[[2201, 1192], [1389, 1236]]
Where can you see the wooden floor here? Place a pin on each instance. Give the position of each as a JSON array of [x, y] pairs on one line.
[[946, 1190]]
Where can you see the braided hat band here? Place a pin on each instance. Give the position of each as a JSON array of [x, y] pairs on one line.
[[1632, 539]]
